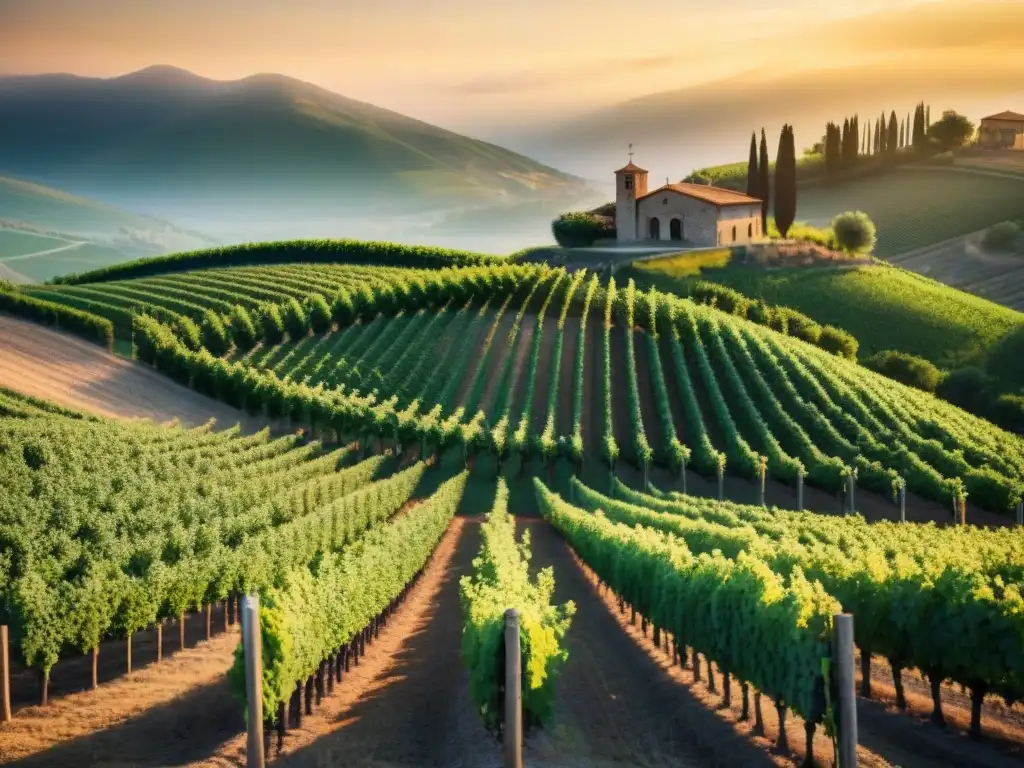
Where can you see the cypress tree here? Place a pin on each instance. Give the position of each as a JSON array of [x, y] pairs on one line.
[[785, 180], [906, 141], [844, 143], [893, 138], [903, 128], [918, 132], [764, 182], [753, 181], [927, 119], [878, 138]]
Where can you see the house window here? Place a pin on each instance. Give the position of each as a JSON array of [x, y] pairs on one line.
[[734, 234], [750, 230], [628, 181]]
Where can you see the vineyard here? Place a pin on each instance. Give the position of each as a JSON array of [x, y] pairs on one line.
[[471, 358], [673, 447], [944, 600]]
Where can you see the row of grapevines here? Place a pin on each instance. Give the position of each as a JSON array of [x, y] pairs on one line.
[[548, 443], [501, 580], [936, 599], [642, 452], [576, 441], [766, 631], [609, 447], [312, 612], [674, 453], [523, 439]]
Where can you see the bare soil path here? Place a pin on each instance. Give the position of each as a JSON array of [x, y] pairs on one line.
[[37, 361]]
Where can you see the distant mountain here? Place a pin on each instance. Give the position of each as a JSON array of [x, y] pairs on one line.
[[163, 139]]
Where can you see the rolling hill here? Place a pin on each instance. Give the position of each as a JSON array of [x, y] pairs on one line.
[[219, 154], [45, 232]]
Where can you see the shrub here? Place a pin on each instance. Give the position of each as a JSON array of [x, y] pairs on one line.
[[1008, 412], [800, 326], [215, 335], [967, 387], [187, 330], [838, 342], [720, 296], [318, 312], [854, 232], [1006, 359], [576, 229], [1001, 234], [295, 320], [243, 332], [906, 368]]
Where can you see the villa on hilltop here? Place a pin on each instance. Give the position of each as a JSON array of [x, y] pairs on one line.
[[697, 214], [1002, 131]]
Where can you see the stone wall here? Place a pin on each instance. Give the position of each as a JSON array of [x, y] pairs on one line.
[[702, 223]]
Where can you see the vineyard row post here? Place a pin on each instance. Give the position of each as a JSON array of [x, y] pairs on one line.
[[842, 658], [800, 490], [5, 678], [253, 648], [513, 692]]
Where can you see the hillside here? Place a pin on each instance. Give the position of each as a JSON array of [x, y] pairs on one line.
[[884, 307], [45, 232], [171, 141], [511, 383]]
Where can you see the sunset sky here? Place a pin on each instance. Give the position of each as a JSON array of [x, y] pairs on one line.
[[454, 59]]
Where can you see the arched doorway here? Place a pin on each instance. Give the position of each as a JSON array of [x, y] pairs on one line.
[[654, 228], [675, 229]]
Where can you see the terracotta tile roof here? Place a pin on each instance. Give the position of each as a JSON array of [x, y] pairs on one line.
[[714, 195], [631, 167], [1005, 116]]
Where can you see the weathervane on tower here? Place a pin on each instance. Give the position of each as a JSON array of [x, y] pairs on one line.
[[631, 153]]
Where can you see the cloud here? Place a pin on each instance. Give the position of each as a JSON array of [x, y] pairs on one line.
[[534, 79]]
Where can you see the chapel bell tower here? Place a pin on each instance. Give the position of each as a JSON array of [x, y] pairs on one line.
[[630, 183]]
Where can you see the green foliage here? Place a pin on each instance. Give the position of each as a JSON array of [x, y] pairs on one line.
[[500, 581], [243, 331], [1008, 412], [909, 369], [319, 313], [769, 631], [903, 583], [968, 388], [785, 181], [88, 326], [268, 322], [1006, 359], [215, 335], [285, 252], [854, 232], [576, 229], [951, 131], [321, 605], [838, 342], [295, 321]]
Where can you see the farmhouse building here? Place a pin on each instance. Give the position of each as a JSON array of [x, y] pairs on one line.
[[1002, 131], [697, 214]]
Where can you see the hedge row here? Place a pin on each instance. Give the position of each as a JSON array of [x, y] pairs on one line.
[[309, 251], [782, 319], [90, 327]]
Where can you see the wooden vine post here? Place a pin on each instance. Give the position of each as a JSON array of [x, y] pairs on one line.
[[253, 648], [800, 489], [846, 701], [5, 677], [513, 692], [903, 501], [762, 477]]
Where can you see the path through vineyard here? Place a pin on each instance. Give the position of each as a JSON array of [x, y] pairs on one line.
[[60, 368]]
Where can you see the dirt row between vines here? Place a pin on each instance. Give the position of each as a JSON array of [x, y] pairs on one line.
[[71, 372]]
